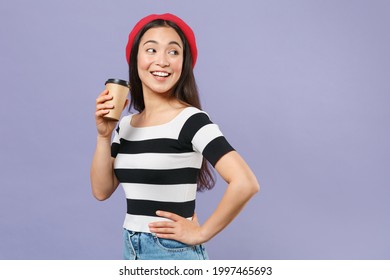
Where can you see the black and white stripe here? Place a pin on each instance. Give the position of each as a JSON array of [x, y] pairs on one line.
[[158, 166]]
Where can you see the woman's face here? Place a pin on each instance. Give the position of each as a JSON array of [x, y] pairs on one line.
[[160, 59]]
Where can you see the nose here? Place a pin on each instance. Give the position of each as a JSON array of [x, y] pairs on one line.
[[162, 60]]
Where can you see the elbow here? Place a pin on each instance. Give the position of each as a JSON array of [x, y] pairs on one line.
[[257, 187], [101, 191], [248, 186], [100, 196], [254, 186]]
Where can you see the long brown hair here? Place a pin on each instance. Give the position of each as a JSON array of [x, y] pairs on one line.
[[185, 90]]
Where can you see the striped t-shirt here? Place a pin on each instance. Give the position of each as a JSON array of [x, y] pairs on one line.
[[158, 165]]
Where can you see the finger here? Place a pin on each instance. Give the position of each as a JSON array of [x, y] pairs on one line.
[[104, 106], [171, 216], [162, 224], [165, 236], [103, 97], [104, 92], [101, 113], [162, 230]]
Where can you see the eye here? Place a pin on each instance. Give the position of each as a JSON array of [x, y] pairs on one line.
[[173, 52], [150, 50]]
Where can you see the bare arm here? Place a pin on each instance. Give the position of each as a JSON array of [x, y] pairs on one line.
[[242, 185], [103, 179]]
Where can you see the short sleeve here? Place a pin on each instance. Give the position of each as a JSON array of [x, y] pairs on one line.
[[205, 137], [115, 143]]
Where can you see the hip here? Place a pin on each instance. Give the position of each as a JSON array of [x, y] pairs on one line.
[[147, 246]]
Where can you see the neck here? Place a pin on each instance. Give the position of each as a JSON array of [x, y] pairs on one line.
[[158, 102]]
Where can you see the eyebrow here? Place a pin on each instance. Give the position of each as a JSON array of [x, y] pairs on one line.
[[170, 43]]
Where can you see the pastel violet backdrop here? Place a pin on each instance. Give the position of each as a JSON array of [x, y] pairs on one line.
[[300, 88]]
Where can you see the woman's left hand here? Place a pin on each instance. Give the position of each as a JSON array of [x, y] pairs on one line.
[[179, 228]]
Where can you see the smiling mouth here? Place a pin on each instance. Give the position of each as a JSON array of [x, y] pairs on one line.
[[160, 74]]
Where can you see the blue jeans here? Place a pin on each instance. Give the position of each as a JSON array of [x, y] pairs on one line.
[[147, 246]]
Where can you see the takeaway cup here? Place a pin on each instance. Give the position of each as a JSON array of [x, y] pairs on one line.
[[119, 89]]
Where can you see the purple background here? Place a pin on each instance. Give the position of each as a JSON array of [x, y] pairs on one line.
[[300, 88]]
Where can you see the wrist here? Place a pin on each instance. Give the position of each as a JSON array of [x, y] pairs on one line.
[[104, 139], [204, 234]]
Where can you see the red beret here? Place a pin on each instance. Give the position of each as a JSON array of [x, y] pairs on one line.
[[188, 33]]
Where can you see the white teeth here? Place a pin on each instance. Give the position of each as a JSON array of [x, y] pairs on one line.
[[160, 74]]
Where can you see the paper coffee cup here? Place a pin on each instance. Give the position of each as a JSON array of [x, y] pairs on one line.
[[119, 89]]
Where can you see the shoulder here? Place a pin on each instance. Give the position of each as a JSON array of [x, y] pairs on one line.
[[192, 120], [192, 114], [124, 122], [126, 118]]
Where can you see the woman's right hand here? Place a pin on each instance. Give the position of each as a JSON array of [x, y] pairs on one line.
[[104, 126]]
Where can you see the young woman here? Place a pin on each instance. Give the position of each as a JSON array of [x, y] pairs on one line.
[[161, 155]]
